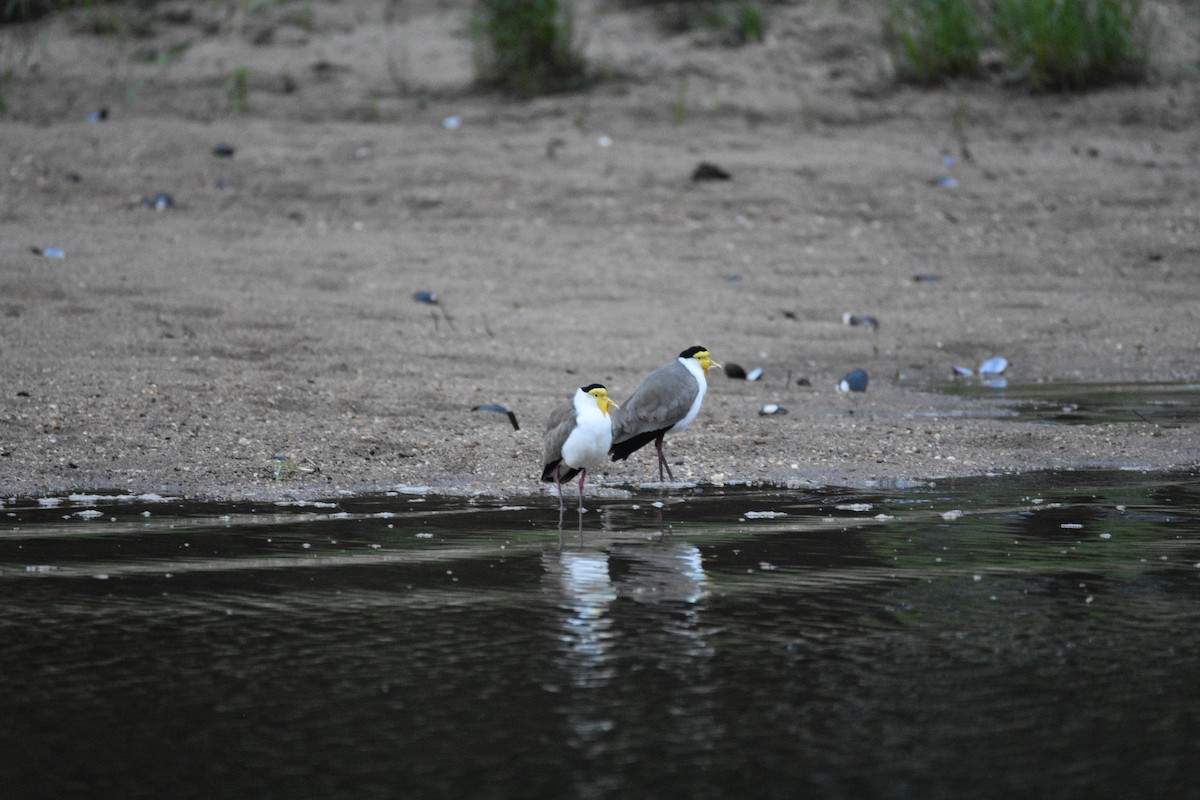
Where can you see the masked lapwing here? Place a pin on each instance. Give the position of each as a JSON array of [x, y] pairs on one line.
[[578, 437], [667, 400]]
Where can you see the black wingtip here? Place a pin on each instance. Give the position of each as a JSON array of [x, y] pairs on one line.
[[548, 472], [623, 449]]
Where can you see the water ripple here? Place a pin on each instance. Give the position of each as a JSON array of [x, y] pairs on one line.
[[838, 643]]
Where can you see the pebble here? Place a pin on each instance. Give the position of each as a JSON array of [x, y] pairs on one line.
[[159, 202], [855, 320], [855, 381], [993, 366], [707, 171]]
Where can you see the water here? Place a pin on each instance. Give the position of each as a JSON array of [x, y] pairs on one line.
[[1166, 404], [1043, 643]]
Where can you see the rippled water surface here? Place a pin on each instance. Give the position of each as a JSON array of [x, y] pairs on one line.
[[1168, 405], [1009, 637]]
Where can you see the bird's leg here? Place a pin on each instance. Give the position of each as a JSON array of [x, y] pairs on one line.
[[558, 485], [582, 476], [662, 461]]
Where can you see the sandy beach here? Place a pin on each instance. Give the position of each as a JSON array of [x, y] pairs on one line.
[[269, 312]]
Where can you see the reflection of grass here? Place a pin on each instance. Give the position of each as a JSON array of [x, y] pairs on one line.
[[1013, 531], [1006, 566]]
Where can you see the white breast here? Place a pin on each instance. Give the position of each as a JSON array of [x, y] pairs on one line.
[[693, 366], [588, 443]]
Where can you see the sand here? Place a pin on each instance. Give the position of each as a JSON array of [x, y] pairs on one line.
[[269, 312]]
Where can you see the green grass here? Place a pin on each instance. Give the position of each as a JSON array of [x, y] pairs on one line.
[[526, 47], [6, 79], [1045, 44], [679, 109], [1072, 44], [163, 57], [749, 23], [237, 89], [732, 22], [935, 39]]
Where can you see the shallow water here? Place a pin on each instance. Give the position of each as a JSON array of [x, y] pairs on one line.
[[1166, 404], [1036, 636]]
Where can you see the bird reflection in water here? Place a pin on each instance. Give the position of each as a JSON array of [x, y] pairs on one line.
[[623, 605]]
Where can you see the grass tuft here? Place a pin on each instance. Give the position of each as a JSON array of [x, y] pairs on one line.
[[237, 90], [526, 47], [749, 23], [1046, 44], [936, 39], [1073, 44], [730, 22]]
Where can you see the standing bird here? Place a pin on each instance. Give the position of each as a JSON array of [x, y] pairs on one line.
[[667, 399], [578, 436]]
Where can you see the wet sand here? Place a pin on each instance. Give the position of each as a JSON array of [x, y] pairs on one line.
[[269, 312]]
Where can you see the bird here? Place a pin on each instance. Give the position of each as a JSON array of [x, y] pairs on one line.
[[666, 400], [578, 436]]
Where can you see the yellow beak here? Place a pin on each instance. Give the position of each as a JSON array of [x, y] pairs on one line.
[[604, 403], [708, 362]]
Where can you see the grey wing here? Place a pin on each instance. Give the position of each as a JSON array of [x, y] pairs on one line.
[[558, 428], [662, 399]]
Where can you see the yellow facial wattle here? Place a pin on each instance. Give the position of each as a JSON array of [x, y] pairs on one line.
[[705, 359], [603, 401]]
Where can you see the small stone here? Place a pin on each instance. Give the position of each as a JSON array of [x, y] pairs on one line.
[[707, 171], [855, 381]]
